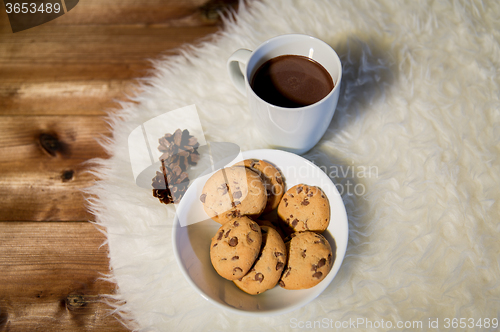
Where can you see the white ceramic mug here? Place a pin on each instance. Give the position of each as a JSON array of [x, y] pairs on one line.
[[292, 129]]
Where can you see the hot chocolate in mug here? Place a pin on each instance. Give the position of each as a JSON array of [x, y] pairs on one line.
[[292, 83]]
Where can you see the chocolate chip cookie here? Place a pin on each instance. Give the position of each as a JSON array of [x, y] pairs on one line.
[[233, 192], [235, 247], [305, 208], [273, 181], [310, 259], [273, 224], [266, 271]]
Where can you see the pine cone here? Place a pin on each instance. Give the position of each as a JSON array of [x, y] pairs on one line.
[[180, 150]]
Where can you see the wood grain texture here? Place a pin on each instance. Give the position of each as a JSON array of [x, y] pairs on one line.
[[50, 278], [56, 82], [42, 165], [82, 70], [92, 97], [165, 12], [83, 61], [144, 12]]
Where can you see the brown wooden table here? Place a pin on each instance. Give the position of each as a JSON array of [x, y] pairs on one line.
[[56, 82]]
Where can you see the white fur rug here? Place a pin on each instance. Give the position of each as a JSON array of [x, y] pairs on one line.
[[419, 105]]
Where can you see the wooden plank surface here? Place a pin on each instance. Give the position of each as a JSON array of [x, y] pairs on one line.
[[146, 12], [50, 279], [42, 165], [56, 82], [82, 70]]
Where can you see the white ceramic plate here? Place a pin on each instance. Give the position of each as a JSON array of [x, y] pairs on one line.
[[192, 243]]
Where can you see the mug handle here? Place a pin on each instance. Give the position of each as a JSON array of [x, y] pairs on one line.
[[236, 66]]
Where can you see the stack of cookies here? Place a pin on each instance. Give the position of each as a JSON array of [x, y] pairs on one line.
[[268, 236]]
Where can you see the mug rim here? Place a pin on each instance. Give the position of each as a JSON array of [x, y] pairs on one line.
[[295, 35]]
